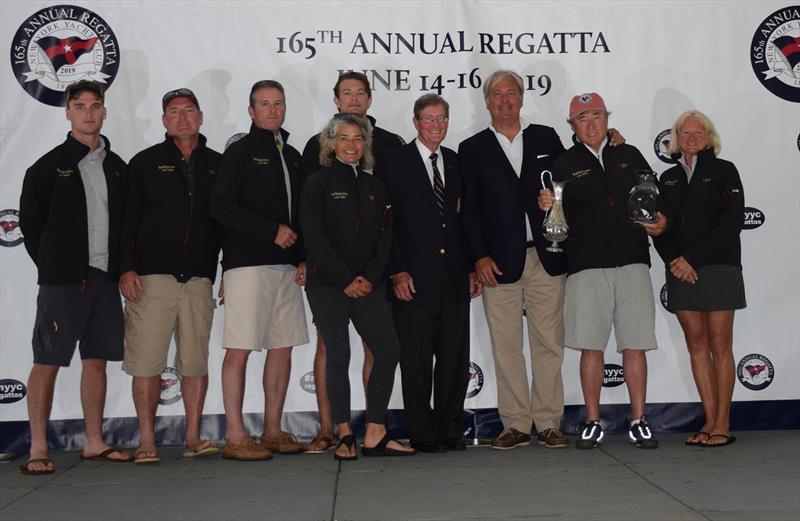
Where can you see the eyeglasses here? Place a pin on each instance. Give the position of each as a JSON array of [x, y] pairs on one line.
[[438, 119]]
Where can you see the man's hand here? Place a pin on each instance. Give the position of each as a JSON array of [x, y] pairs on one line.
[[682, 270], [360, 287], [657, 228], [475, 287], [545, 199], [130, 286], [403, 285], [300, 275], [285, 237], [616, 138], [486, 269]]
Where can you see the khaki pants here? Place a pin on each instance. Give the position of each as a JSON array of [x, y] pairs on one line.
[[543, 295]]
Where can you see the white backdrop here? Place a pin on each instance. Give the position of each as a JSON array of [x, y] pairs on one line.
[[650, 61]]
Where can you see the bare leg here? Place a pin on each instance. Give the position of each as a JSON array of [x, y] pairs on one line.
[[591, 382], [720, 337], [320, 384], [41, 384], [194, 397], [233, 379], [93, 400], [375, 433], [695, 331], [146, 391], [342, 451], [634, 367], [277, 370]]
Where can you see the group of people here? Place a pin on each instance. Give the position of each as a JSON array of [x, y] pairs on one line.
[[395, 238]]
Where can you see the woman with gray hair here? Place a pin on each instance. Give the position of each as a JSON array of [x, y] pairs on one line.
[[344, 215], [703, 256]]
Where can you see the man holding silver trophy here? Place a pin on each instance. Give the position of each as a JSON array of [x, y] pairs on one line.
[[608, 277]]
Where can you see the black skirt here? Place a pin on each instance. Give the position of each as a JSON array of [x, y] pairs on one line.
[[719, 287]]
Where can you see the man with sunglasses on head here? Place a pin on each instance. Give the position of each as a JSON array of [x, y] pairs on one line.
[[71, 214], [169, 258], [351, 94]]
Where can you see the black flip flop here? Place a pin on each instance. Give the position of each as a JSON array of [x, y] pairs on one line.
[[728, 441], [697, 442], [25, 469], [348, 441], [381, 449]]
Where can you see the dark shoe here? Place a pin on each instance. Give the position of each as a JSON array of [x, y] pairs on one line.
[[590, 436], [430, 446], [641, 435], [552, 439], [456, 444], [695, 442], [510, 439], [348, 441], [727, 440], [381, 449]]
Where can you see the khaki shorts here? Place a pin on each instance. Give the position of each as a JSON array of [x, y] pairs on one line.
[[263, 309], [165, 307], [596, 299]]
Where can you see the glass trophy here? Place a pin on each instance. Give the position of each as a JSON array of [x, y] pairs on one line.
[[555, 227], [642, 207]]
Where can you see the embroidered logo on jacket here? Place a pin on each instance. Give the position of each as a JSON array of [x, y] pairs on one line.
[[64, 173], [581, 173], [261, 161], [166, 169], [339, 195]]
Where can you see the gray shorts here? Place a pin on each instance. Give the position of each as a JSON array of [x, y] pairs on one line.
[[597, 299], [89, 314]]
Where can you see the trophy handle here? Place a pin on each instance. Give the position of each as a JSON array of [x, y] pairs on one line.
[[541, 177], [544, 185]]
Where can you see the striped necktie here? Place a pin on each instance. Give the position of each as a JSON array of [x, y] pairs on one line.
[[438, 184]]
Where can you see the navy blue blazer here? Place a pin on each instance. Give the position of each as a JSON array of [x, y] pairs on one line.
[[496, 202], [428, 246]]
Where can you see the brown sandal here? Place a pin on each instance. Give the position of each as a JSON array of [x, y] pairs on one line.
[[320, 445], [142, 452], [26, 469]]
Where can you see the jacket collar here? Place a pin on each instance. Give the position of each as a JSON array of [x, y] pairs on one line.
[[169, 143], [267, 135], [78, 150]]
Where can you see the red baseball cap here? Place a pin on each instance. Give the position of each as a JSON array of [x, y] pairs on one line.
[[587, 101]]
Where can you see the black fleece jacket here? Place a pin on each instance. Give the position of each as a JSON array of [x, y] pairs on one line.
[[53, 215]]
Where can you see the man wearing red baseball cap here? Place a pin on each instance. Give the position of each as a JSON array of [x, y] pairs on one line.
[[608, 265]]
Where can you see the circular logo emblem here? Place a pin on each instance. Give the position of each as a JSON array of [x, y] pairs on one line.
[[664, 298], [170, 386], [661, 145], [10, 233], [755, 371], [584, 99], [307, 383], [753, 218], [775, 53], [12, 390], [612, 375], [475, 380], [60, 45], [233, 139]]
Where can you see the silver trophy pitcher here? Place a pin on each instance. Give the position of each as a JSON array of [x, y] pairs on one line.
[[643, 198], [555, 227]]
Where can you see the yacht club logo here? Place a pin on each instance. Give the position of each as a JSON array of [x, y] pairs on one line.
[[775, 53], [170, 386], [661, 145], [10, 232], [475, 380], [59, 45]]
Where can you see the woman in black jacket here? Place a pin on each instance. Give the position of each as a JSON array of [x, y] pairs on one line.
[[702, 253], [344, 215]]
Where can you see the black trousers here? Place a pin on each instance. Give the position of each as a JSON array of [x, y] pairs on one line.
[[440, 331], [372, 318]]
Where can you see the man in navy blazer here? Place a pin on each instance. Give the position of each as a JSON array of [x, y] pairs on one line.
[[501, 166], [431, 279]]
